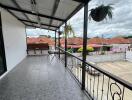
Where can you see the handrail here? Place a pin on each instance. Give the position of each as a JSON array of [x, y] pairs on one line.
[[108, 74]]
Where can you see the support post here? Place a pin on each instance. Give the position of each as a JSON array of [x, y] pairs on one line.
[[65, 46], [59, 42], [84, 44], [55, 40]]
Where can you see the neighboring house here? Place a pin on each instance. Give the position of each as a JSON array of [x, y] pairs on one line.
[[114, 44], [75, 43], [119, 44], [130, 40], [72, 41], [96, 40], [100, 41], [50, 41]]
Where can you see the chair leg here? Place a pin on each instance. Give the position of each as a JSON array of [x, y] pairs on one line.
[[52, 58], [41, 51], [34, 51], [27, 52]]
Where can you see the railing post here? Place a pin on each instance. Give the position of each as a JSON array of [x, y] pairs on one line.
[[65, 45], [84, 44], [55, 40], [59, 42]]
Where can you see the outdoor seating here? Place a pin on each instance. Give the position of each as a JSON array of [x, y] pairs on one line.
[[54, 52], [37, 46]]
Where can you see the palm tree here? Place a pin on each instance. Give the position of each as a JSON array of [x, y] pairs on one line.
[[69, 30], [101, 12]]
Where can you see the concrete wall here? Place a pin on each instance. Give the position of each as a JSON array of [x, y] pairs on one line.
[[129, 56], [120, 47], [14, 39], [108, 57]]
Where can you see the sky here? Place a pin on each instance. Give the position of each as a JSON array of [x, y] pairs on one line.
[[120, 24]]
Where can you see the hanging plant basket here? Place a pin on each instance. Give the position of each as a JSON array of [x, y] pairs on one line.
[[101, 12]]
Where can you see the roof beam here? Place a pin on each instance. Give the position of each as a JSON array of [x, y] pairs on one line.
[[73, 13], [41, 27], [29, 12], [15, 16], [82, 1], [37, 23], [18, 6], [56, 4]]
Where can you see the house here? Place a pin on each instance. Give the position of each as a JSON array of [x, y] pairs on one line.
[[97, 40], [119, 44], [24, 77], [101, 42], [50, 41], [72, 41]]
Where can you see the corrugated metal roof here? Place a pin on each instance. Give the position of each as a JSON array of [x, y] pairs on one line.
[[50, 12]]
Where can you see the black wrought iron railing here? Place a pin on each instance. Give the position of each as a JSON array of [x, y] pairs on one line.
[[99, 84]]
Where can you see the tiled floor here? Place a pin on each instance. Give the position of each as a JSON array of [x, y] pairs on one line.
[[36, 78]]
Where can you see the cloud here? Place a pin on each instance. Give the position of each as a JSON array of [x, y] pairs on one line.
[[36, 32], [121, 23]]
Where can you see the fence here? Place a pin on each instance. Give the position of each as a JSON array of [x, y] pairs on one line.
[[99, 84]]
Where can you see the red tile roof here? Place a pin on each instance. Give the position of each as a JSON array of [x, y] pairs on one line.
[[97, 41], [130, 40], [118, 40], [79, 41], [75, 40], [50, 41]]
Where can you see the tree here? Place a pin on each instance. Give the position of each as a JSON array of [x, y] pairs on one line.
[[69, 30]]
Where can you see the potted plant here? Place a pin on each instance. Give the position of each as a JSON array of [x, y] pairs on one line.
[[101, 12]]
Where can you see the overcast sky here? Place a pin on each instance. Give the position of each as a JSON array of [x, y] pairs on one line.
[[120, 24]]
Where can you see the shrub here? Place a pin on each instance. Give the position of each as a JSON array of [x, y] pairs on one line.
[[89, 49]]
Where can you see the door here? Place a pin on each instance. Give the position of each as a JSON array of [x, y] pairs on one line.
[[2, 51]]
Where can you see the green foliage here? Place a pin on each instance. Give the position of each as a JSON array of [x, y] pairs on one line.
[[89, 49], [69, 30], [70, 50]]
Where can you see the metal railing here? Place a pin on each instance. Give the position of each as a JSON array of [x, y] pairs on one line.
[[99, 83]]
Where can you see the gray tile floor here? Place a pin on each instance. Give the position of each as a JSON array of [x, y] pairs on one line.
[[36, 78]]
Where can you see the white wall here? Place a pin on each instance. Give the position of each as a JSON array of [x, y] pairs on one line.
[[108, 57], [129, 56], [120, 47], [14, 39]]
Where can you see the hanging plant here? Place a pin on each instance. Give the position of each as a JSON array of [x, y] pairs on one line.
[[101, 12]]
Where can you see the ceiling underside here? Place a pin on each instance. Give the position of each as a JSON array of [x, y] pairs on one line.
[[47, 14]]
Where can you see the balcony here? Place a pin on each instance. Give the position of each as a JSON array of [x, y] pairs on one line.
[[60, 76], [38, 78]]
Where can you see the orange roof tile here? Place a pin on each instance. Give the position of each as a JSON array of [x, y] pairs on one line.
[[75, 40], [97, 41], [118, 40], [50, 41], [130, 40]]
